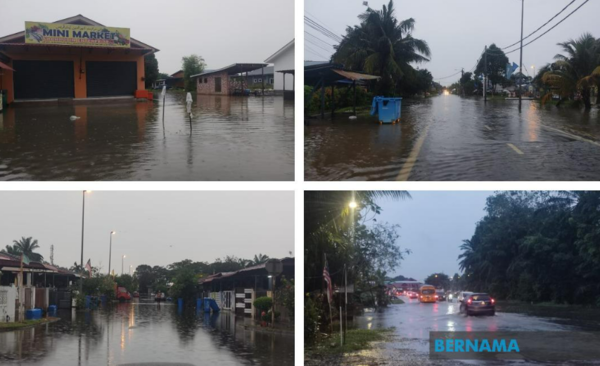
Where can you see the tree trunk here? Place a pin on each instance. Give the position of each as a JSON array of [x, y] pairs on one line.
[[585, 95]]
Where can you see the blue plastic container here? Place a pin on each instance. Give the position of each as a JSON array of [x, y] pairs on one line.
[[206, 304], [389, 110], [33, 314], [52, 309], [210, 304], [198, 303]]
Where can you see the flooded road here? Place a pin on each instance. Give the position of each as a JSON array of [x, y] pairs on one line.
[[413, 321], [145, 333], [448, 138], [228, 138]]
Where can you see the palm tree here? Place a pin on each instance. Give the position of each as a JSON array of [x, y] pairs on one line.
[[259, 259], [12, 250], [27, 246], [576, 71], [382, 46]]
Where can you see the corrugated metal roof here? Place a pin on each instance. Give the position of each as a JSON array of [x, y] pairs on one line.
[[355, 75]]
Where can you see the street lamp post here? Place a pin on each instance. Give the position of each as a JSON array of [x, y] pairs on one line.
[[122, 261], [82, 236], [110, 250]]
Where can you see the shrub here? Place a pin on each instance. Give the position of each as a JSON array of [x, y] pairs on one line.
[[263, 304]]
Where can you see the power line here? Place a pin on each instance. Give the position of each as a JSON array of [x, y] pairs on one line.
[[313, 24], [317, 38], [316, 45], [315, 52], [545, 24], [546, 32], [446, 77]]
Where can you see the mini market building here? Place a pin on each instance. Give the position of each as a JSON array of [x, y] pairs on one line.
[[46, 62]]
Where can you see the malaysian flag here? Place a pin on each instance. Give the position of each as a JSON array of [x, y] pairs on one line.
[[88, 266], [327, 279]]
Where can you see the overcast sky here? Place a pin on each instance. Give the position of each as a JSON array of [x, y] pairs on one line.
[[458, 30], [200, 226], [433, 226], [221, 31]]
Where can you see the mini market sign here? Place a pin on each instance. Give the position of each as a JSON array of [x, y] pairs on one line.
[[76, 35]]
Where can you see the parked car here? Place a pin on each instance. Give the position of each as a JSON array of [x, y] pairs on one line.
[[122, 294], [478, 304], [440, 295]]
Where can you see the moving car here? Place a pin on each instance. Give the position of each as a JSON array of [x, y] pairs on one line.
[[122, 294], [478, 303], [441, 295], [463, 295], [413, 295], [427, 294]]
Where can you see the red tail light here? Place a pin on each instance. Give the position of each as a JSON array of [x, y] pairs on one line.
[[436, 296], [493, 301], [469, 301]]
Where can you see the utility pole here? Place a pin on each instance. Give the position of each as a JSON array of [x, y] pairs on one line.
[[485, 72], [521, 62], [462, 90]]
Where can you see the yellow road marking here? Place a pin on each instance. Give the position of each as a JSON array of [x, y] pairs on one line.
[[516, 149], [412, 158]]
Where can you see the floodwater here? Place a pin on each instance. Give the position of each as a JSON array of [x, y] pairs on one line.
[[447, 138], [145, 334], [413, 321], [228, 138]]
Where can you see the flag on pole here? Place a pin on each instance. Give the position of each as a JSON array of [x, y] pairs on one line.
[[327, 278], [88, 266]]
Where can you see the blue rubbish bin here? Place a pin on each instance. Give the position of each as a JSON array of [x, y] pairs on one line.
[[389, 110], [52, 309], [33, 314]]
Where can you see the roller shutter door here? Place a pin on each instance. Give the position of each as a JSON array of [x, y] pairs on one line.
[[43, 79], [110, 79]]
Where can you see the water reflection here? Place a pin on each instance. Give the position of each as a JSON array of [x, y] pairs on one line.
[[463, 139], [227, 138], [145, 332]]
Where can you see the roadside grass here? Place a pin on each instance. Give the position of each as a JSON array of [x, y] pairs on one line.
[[26, 323], [356, 340], [361, 111]]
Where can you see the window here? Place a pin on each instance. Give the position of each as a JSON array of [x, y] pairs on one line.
[[205, 80], [271, 81], [255, 81], [217, 85]]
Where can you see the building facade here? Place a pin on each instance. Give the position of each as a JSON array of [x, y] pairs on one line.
[[283, 60], [47, 71]]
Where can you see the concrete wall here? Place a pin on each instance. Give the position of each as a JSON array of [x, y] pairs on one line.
[[79, 57], [8, 295], [285, 61]]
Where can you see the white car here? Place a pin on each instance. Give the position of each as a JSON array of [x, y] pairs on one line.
[[463, 294]]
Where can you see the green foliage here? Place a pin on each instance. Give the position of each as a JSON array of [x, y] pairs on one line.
[[382, 45], [99, 285], [312, 318], [26, 246], [286, 296], [536, 246], [263, 303], [343, 98], [496, 65], [150, 69], [127, 281], [184, 286], [191, 65], [575, 71], [438, 280]]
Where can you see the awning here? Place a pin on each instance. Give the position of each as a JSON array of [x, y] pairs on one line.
[[5, 67], [355, 75]]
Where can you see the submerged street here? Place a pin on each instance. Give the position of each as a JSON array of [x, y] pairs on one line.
[[412, 322], [145, 333], [453, 138], [228, 138]]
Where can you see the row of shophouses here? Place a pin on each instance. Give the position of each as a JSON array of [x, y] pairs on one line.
[[43, 285]]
